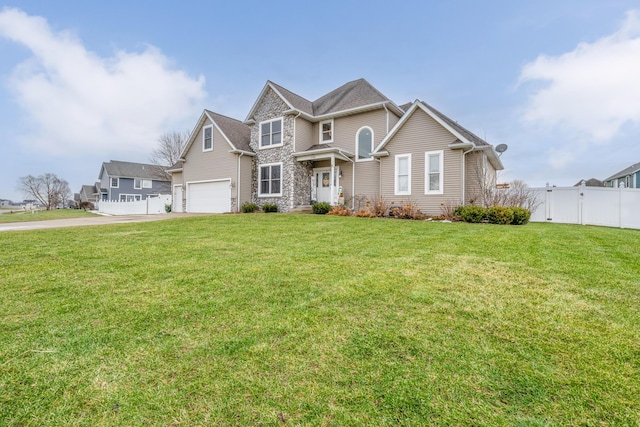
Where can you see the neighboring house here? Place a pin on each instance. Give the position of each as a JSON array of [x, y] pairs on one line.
[[127, 182], [629, 177], [88, 193], [348, 146], [591, 182]]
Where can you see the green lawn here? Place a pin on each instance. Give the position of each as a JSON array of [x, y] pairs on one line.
[[22, 216], [316, 320]]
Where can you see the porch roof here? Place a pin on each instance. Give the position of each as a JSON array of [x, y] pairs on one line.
[[323, 152]]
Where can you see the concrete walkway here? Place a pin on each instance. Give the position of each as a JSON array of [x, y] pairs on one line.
[[94, 220]]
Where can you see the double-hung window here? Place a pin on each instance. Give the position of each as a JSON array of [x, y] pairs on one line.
[[207, 138], [326, 131], [115, 182], [403, 174], [271, 133], [271, 179], [434, 167], [137, 183]]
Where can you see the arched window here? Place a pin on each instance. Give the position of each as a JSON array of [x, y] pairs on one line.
[[364, 143]]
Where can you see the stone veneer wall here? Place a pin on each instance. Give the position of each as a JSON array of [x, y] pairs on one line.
[[296, 181]]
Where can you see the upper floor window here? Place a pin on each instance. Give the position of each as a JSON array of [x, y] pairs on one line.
[[364, 144], [115, 182], [139, 183], [271, 179], [271, 133], [207, 138], [326, 131], [434, 165], [403, 174]]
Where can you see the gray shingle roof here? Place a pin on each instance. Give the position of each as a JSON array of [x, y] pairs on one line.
[[89, 190], [238, 133], [624, 172], [461, 130], [350, 95], [116, 168], [354, 94], [296, 100]]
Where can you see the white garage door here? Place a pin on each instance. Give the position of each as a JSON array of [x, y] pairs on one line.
[[209, 197]]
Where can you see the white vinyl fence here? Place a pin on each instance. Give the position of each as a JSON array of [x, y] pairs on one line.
[[610, 207], [150, 206]]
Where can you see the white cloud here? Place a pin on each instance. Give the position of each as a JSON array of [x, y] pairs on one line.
[[77, 100], [593, 90]]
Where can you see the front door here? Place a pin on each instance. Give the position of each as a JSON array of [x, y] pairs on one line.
[[323, 186]]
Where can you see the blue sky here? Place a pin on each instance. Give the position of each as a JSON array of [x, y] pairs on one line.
[[87, 82]]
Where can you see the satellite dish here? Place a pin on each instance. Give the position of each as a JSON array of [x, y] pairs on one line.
[[502, 148]]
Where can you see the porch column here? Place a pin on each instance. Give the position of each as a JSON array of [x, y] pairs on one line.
[[332, 182]]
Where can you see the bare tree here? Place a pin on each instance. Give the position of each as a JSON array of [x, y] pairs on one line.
[[47, 189], [170, 146]]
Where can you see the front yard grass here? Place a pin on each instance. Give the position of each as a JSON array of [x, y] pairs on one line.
[[316, 320], [26, 216]]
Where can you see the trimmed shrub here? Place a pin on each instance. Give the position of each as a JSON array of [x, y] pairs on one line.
[[500, 215], [521, 216], [269, 207], [249, 207], [320, 208], [471, 213], [167, 208]]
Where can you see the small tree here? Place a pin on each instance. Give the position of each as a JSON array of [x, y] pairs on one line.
[[47, 189], [170, 146]]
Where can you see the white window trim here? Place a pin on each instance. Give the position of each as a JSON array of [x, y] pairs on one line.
[[426, 172], [260, 193], [147, 183], [203, 138], [320, 133], [396, 181], [117, 182], [358, 145], [266, 147], [136, 197], [134, 183]]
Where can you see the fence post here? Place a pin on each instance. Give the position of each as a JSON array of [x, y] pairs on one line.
[[620, 204], [547, 203], [581, 195]]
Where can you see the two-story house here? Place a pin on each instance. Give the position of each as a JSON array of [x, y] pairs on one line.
[[627, 178], [127, 182], [349, 145]]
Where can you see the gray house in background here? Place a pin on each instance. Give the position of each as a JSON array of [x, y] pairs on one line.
[[629, 177], [88, 193], [127, 182]]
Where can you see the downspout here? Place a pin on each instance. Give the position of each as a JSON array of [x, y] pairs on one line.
[[385, 109], [379, 176], [464, 174], [353, 181], [238, 184], [291, 201]]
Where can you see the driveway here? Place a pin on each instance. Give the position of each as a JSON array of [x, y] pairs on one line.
[[94, 220]]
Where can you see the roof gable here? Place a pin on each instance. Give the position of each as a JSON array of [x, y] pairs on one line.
[[465, 138], [236, 134]]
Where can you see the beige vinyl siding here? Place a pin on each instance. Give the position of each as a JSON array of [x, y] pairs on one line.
[[473, 172], [304, 134], [176, 178], [479, 173], [209, 165], [420, 134], [246, 170], [393, 119]]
